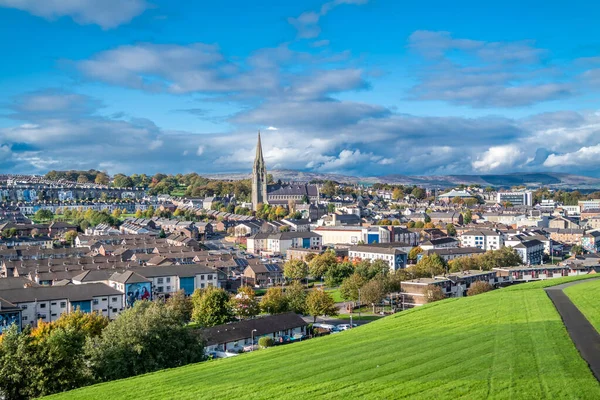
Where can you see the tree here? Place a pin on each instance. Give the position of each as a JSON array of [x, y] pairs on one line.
[[427, 218], [467, 217], [319, 302], [330, 208], [274, 301], [336, 274], [211, 307], [101, 179], [418, 193], [265, 342], [139, 213], [116, 213], [320, 264], [479, 287], [350, 287], [18, 359], [244, 303], [429, 266], [373, 292], [122, 181], [419, 224], [411, 224], [328, 189], [43, 215], [397, 194], [450, 230], [284, 228], [435, 293], [181, 306], [295, 269], [576, 250], [70, 237], [296, 298], [429, 225], [146, 337], [414, 252]]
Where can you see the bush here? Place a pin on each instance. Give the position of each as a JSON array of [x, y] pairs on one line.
[[265, 342], [478, 288]]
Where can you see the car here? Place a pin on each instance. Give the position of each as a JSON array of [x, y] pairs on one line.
[[344, 327]]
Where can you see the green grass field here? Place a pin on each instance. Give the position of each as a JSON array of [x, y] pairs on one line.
[[586, 296], [335, 293], [505, 344]]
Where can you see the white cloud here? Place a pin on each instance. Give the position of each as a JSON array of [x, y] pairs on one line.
[[584, 157], [105, 13], [271, 128], [499, 157], [307, 23], [200, 150]]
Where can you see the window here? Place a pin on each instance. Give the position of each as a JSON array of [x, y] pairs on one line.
[[159, 280], [168, 288], [114, 310], [54, 314], [24, 307], [104, 310], [24, 318], [95, 302], [53, 303], [43, 305], [201, 277], [114, 299], [168, 280], [159, 289], [63, 304], [105, 299], [202, 286], [209, 277]]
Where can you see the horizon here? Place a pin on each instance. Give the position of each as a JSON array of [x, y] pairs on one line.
[[148, 86]]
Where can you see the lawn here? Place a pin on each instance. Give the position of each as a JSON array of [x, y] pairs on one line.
[[586, 296], [335, 293], [503, 344]]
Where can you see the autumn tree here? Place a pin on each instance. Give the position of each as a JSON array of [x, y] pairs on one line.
[[450, 230], [274, 301], [320, 264], [373, 293], [479, 287], [434, 293], [350, 287], [319, 302], [181, 305]]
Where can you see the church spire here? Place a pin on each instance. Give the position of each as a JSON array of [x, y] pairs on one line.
[[259, 178], [259, 155]]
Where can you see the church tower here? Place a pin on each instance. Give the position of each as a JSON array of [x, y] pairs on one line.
[[259, 178]]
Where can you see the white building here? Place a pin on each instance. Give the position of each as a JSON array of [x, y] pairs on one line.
[[279, 243], [515, 198], [395, 257], [353, 234], [485, 239]]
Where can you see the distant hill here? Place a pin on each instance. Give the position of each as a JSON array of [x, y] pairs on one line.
[[533, 179], [508, 343]]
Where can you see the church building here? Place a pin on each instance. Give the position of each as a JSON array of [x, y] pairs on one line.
[[278, 194]]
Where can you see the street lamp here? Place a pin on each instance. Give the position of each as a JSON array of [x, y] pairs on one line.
[[252, 339], [359, 305]]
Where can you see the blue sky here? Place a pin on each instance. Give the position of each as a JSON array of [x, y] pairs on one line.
[[362, 87]]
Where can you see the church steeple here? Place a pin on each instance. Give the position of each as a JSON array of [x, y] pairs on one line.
[[259, 178]]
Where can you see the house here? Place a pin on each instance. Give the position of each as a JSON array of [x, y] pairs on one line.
[[531, 251], [279, 243], [485, 239], [440, 243], [564, 223], [297, 225], [566, 236], [263, 275], [247, 228], [462, 281], [591, 241], [444, 218], [9, 314], [396, 258], [353, 234], [236, 336], [524, 273], [449, 254], [169, 279], [415, 291], [301, 253], [47, 303]]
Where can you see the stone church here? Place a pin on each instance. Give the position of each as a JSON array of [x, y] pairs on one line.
[[277, 194]]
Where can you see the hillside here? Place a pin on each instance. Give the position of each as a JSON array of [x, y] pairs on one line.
[[508, 343], [548, 179], [586, 296]]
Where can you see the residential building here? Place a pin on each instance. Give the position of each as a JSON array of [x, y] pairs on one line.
[[279, 243], [564, 223], [440, 243], [531, 251], [353, 234], [263, 275], [485, 239], [591, 241], [243, 335], [396, 258], [449, 254], [415, 291]]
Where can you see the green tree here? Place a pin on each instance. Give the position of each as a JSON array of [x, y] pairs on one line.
[[319, 302], [295, 269], [467, 216], [265, 342], [320, 264], [397, 194], [419, 224], [576, 250], [274, 301], [373, 293], [211, 307], [350, 287], [336, 274], [450, 229], [418, 193], [18, 364], [145, 338], [70, 237], [101, 179], [434, 293], [328, 189], [244, 303], [181, 306], [429, 266], [122, 181], [295, 296], [43, 215]]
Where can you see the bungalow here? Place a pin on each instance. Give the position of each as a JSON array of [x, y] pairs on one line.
[[263, 275], [236, 336]]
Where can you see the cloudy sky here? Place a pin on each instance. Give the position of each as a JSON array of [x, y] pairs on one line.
[[362, 87]]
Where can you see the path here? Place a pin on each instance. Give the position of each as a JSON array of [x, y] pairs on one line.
[[584, 335]]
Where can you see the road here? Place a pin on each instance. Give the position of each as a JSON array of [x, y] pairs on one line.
[[582, 332]]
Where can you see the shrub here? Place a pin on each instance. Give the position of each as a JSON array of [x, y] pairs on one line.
[[265, 342], [478, 288]]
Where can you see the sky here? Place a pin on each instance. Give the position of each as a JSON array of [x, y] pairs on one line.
[[356, 87]]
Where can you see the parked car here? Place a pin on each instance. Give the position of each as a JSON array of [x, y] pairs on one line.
[[343, 327]]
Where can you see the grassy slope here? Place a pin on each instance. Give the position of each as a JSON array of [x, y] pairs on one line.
[[504, 344], [586, 296]]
